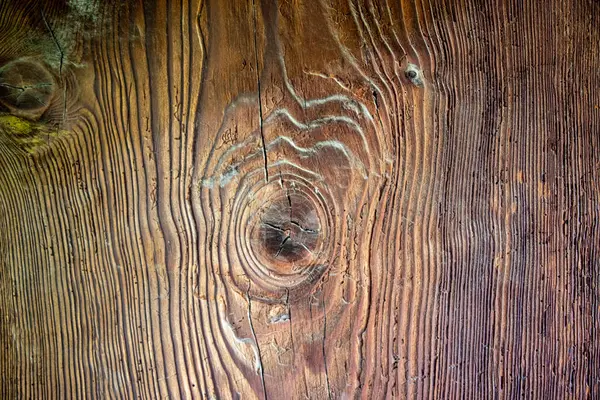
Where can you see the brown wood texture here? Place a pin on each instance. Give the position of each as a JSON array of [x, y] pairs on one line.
[[299, 199]]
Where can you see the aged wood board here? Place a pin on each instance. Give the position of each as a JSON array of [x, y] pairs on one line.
[[299, 199]]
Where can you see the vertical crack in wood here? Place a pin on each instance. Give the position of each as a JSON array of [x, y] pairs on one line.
[[56, 43], [60, 67], [324, 357], [260, 364], [289, 313], [281, 245], [260, 113], [376, 101]]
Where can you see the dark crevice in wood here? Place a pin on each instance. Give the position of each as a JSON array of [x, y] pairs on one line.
[[259, 354], [260, 111]]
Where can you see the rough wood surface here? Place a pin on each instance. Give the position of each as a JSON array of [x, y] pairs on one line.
[[299, 199]]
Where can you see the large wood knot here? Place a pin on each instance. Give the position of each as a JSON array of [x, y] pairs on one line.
[[26, 88], [284, 244], [288, 233]]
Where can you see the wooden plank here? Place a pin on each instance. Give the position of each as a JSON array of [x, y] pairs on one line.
[[299, 199]]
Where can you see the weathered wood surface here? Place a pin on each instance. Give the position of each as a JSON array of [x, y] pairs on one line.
[[299, 199]]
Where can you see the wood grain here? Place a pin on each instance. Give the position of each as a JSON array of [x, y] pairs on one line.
[[299, 199]]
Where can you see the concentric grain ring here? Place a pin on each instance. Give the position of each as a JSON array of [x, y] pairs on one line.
[[283, 240], [26, 88]]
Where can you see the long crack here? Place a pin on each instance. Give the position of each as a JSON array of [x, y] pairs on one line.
[[260, 112], [277, 228], [303, 229], [282, 244]]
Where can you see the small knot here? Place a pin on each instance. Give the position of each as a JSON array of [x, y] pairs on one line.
[[414, 75]]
